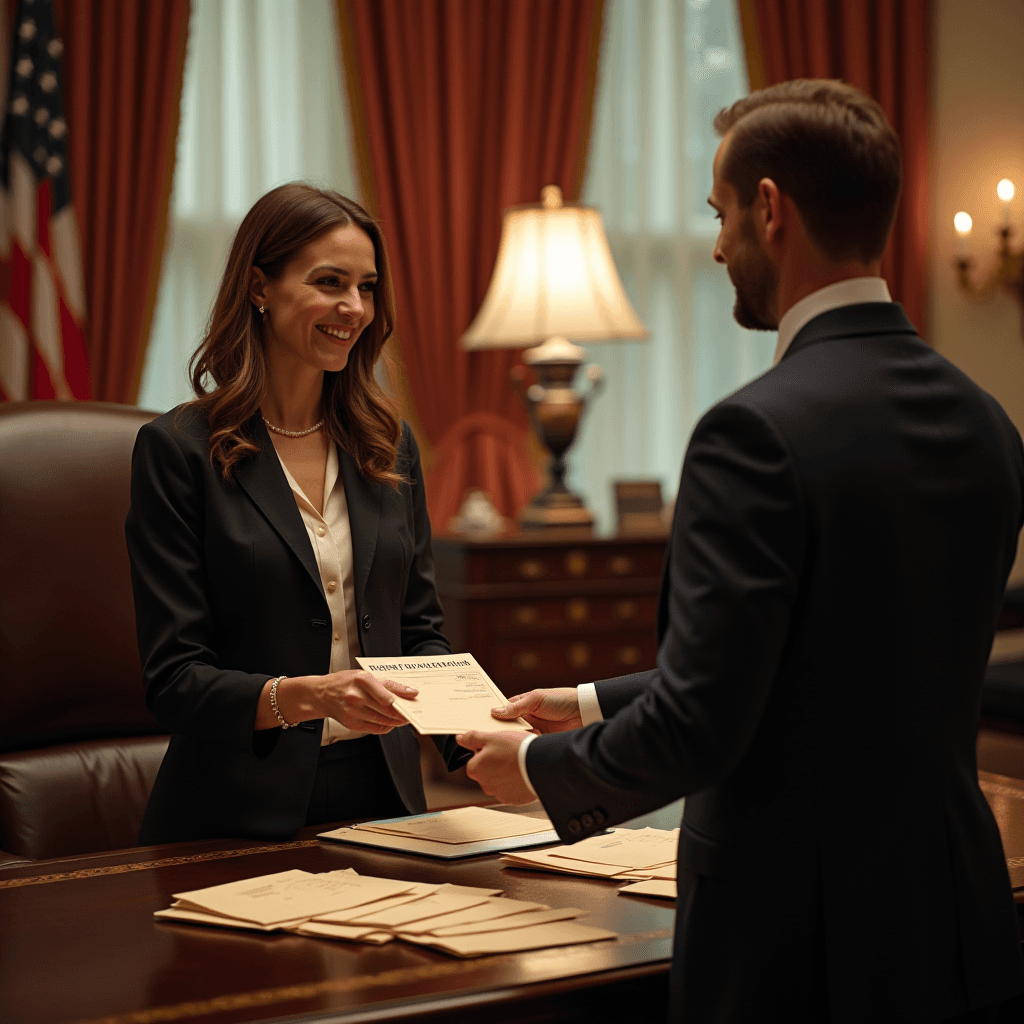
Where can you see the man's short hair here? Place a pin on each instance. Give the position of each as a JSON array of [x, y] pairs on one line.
[[830, 149]]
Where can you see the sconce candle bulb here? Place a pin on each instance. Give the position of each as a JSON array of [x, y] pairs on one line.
[[1005, 192], [963, 224]]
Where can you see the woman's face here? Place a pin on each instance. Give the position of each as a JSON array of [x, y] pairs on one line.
[[321, 303]]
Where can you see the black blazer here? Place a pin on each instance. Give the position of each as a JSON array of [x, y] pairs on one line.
[[228, 595], [844, 530]]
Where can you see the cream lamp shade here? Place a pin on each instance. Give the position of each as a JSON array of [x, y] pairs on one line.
[[554, 278]]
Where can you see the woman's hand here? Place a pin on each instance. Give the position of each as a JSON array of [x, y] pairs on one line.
[[555, 710], [357, 699], [361, 701]]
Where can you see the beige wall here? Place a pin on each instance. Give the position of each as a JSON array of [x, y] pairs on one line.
[[978, 138]]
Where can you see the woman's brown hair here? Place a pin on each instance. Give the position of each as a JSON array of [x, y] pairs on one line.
[[827, 146], [358, 414]]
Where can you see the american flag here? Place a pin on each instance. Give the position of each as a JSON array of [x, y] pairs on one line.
[[42, 296]]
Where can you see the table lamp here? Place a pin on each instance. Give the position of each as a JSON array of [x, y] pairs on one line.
[[554, 279]]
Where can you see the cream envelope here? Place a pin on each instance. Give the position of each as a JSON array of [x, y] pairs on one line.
[[288, 895], [541, 936], [665, 890], [491, 910]]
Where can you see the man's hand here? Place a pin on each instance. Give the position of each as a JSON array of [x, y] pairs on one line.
[[546, 710], [495, 765]]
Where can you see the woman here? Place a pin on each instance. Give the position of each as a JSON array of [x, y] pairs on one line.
[[277, 530]]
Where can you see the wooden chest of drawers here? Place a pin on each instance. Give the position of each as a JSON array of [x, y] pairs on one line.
[[551, 611]]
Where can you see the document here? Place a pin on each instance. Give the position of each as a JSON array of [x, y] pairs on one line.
[[455, 694], [625, 848], [622, 853], [507, 924], [654, 887], [427, 906], [489, 911], [288, 895], [541, 936], [177, 913], [350, 933], [461, 832], [415, 893], [462, 920], [460, 825]]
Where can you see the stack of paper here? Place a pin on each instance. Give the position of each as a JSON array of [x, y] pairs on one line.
[[462, 832], [459, 919], [645, 855]]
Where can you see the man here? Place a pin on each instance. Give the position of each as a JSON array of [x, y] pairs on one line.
[[844, 529]]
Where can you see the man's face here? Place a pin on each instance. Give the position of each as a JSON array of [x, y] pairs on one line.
[[752, 273]]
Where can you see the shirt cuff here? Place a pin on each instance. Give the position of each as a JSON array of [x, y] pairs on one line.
[[590, 707], [522, 762]]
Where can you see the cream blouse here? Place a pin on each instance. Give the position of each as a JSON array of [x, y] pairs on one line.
[[331, 539]]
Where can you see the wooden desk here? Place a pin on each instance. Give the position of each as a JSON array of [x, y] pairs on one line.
[[1006, 798], [540, 609], [78, 942]]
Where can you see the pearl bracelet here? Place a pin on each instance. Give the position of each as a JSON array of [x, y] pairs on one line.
[[273, 704]]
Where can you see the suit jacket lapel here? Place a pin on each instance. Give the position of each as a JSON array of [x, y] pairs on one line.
[[263, 479], [363, 498]]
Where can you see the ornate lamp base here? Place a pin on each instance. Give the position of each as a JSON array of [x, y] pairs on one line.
[[555, 409]]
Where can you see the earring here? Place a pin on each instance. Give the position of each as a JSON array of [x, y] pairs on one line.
[[263, 311]]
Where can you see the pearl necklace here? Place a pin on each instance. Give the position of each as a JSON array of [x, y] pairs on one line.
[[293, 433]]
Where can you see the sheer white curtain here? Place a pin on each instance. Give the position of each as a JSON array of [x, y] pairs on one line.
[[262, 104], [667, 68]]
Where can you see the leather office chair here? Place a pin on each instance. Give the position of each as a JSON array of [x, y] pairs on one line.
[[78, 749]]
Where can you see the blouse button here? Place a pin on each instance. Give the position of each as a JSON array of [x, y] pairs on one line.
[[320, 531], [332, 586], [337, 637]]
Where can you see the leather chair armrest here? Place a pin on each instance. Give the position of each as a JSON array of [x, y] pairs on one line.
[[13, 860]]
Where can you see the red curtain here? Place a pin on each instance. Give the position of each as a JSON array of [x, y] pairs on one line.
[[464, 107], [883, 47], [123, 64]]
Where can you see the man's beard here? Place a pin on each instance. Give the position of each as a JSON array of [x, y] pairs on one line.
[[756, 282]]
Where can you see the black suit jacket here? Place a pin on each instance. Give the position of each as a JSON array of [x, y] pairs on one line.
[[844, 530], [228, 595]]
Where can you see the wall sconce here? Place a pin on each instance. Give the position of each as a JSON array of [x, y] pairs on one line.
[[1008, 272]]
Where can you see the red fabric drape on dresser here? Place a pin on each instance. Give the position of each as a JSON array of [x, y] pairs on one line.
[[464, 107], [123, 64], [883, 47]]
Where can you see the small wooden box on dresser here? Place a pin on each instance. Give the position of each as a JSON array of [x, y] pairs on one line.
[[540, 610]]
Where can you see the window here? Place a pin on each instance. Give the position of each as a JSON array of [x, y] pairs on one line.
[[666, 69]]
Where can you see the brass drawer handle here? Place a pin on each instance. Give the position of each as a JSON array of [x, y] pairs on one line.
[[576, 563], [525, 615], [579, 655], [577, 610], [627, 609], [531, 568], [620, 565], [628, 655], [527, 661]]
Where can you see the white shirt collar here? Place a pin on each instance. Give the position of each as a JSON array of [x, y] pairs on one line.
[[832, 296]]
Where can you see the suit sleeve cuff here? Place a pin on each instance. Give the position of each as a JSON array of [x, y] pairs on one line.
[[522, 762], [590, 707]]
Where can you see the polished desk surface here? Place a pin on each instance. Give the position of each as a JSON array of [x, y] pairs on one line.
[[78, 942], [1006, 798]]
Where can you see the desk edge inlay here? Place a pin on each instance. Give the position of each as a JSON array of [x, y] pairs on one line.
[[146, 865]]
